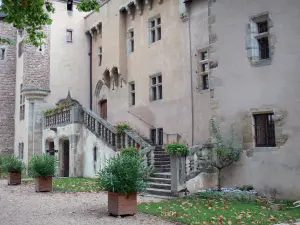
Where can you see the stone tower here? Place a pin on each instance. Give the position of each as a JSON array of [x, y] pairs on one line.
[[7, 88]]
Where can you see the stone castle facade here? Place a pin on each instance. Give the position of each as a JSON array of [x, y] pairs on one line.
[[166, 67]]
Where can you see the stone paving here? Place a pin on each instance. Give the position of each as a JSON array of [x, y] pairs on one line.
[[22, 205]]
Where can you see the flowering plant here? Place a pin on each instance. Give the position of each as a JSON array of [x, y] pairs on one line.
[[177, 149], [53, 111], [131, 151], [121, 127]]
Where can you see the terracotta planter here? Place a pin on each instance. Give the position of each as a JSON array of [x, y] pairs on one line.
[[121, 204], [43, 184], [14, 178]]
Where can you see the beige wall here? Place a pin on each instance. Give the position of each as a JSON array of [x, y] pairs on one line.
[[69, 62], [241, 89], [168, 56]]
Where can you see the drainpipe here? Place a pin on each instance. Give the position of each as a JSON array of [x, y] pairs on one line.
[[188, 7], [91, 73]]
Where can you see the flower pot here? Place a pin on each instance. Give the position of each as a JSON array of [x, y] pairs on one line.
[[43, 184], [14, 178], [122, 204]]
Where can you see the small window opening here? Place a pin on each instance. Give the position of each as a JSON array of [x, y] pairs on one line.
[[264, 130], [70, 5]]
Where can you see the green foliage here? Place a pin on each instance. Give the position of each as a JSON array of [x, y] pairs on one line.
[[33, 15], [130, 151], [121, 127], [125, 174], [297, 204], [56, 110], [177, 149], [12, 164], [88, 5], [6, 41], [29, 15], [246, 188], [195, 210], [42, 166]]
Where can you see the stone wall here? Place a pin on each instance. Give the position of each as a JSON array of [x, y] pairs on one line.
[[7, 90], [37, 65]]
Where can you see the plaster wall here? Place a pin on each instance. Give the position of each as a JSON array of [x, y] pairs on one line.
[[241, 90]]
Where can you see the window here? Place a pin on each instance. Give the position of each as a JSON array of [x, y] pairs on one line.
[[22, 104], [100, 56], [21, 151], [155, 29], [156, 88], [132, 93], [70, 5], [204, 70], [130, 41], [69, 36], [95, 154], [3, 51], [264, 130], [157, 136], [258, 44], [21, 48]]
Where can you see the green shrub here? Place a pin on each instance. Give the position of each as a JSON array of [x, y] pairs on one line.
[[176, 149], [246, 188], [121, 127], [42, 166], [241, 197], [124, 174], [131, 151], [12, 164]]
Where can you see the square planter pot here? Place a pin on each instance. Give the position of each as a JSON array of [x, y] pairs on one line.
[[43, 184], [121, 204], [14, 178]]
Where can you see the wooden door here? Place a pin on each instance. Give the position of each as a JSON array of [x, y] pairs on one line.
[[103, 109]]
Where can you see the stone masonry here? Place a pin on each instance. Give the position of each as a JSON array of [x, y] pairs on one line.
[[7, 90]]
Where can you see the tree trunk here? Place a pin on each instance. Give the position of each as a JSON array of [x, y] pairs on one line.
[[219, 180]]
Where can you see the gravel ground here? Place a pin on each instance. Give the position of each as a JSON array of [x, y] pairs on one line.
[[21, 205]]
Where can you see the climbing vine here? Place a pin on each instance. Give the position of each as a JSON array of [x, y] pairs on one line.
[[33, 15]]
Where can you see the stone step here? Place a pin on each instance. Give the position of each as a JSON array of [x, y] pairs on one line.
[[162, 170], [161, 163], [160, 192], [166, 165], [158, 196], [162, 158], [160, 186], [165, 175], [160, 180]]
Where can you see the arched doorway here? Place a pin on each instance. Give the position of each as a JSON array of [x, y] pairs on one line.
[[103, 108]]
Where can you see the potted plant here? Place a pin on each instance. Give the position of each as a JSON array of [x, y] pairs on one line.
[[42, 168], [132, 151], [123, 177], [177, 149], [14, 167], [121, 127]]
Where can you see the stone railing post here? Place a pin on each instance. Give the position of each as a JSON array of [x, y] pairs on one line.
[[178, 174]]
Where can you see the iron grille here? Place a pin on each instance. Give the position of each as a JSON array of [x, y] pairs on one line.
[[264, 130]]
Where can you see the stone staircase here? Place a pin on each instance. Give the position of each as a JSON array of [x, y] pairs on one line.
[[160, 180]]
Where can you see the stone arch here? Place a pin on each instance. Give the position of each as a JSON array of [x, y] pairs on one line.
[[100, 94]]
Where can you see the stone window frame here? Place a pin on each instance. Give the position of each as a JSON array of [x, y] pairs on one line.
[[253, 35], [3, 52], [156, 29], [72, 34], [202, 61], [132, 94], [22, 104], [130, 41], [100, 56], [157, 85]]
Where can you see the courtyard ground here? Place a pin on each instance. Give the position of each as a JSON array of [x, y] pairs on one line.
[[22, 205]]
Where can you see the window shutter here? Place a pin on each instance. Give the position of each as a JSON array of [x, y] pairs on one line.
[[128, 46], [252, 43]]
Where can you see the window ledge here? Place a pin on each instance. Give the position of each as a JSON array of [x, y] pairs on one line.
[[153, 43], [156, 101], [262, 62], [250, 151], [204, 91]]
